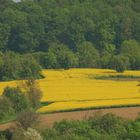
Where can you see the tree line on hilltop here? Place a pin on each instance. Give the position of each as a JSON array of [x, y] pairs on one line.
[[65, 34]]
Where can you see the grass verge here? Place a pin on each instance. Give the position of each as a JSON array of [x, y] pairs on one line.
[[8, 119], [92, 108]]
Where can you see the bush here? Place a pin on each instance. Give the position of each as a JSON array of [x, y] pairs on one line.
[[25, 97], [29, 134], [18, 99], [33, 92], [13, 67], [60, 56], [131, 49], [27, 119], [106, 127], [50, 60], [88, 55], [119, 63], [30, 68], [5, 135], [6, 109], [10, 66]]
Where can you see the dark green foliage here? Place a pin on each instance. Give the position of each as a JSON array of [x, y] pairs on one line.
[[10, 66], [5, 135], [6, 109], [108, 123], [65, 34], [13, 66], [50, 60], [27, 119], [4, 34], [30, 68], [134, 130], [18, 99], [88, 55], [33, 92], [116, 77], [119, 63], [58, 56], [131, 49], [61, 56]]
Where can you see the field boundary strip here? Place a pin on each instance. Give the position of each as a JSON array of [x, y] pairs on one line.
[[50, 102], [92, 108]]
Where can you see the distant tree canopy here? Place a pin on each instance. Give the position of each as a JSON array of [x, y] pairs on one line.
[[71, 33], [14, 66]]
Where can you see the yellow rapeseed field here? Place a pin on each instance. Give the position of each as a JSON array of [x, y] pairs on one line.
[[71, 105], [73, 88]]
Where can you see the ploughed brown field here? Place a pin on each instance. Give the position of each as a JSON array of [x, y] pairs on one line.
[[48, 120]]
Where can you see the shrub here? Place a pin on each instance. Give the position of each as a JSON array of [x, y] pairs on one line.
[[5, 135], [6, 109], [120, 63], [50, 60], [131, 49], [17, 97], [10, 66], [29, 134], [30, 68], [14, 66], [60, 56], [27, 119], [88, 55], [33, 92], [98, 127]]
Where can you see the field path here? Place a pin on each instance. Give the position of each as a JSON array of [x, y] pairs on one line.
[[47, 120]]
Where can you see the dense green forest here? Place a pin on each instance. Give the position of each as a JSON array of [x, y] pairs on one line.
[[70, 33]]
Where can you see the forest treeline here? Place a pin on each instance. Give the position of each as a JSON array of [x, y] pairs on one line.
[[71, 33]]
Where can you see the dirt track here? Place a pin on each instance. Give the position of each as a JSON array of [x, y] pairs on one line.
[[49, 119]]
